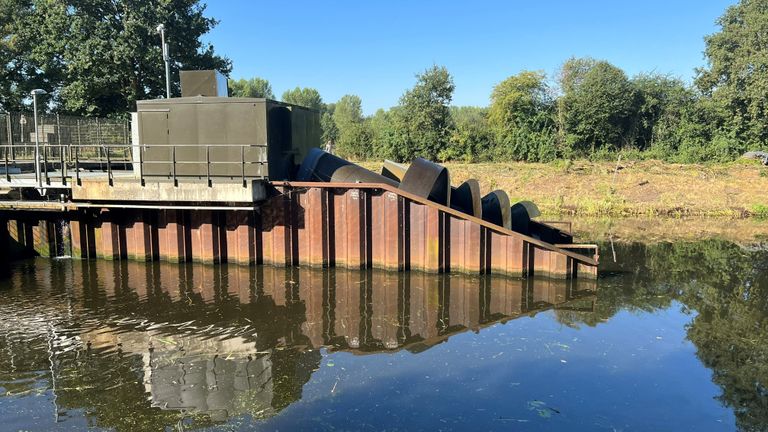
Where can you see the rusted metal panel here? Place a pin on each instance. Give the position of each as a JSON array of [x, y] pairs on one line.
[[385, 229], [138, 240], [43, 239], [240, 237], [312, 227], [172, 241], [416, 236], [107, 239], [204, 235], [319, 225], [276, 239]]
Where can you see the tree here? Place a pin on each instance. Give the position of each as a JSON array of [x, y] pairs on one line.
[[388, 134], [598, 106], [330, 131], [521, 119], [98, 57], [254, 88], [354, 134], [306, 97], [737, 72], [471, 138], [662, 105], [425, 115]]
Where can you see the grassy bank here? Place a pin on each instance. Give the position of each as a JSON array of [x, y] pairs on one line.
[[629, 188]]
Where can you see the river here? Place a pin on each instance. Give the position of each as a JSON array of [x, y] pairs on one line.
[[672, 336]]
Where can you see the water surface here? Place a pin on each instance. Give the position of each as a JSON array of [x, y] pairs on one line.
[[673, 336]]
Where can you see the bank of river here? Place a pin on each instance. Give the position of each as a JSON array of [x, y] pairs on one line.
[[672, 336], [626, 188]]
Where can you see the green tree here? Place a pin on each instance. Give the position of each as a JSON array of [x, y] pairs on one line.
[[423, 121], [98, 57], [18, 72], [471, 138], [662, 105], [330, 131], [598, 107], [521, 118], [254, 88], [306, 97], [354, 135], [387, 134], [737, 72]]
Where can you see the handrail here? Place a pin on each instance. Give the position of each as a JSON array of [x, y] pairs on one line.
[[74, 156]]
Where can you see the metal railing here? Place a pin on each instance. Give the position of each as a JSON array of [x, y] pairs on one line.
[[67, 162]]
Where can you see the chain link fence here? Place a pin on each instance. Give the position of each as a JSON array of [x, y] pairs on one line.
[[91, 137]]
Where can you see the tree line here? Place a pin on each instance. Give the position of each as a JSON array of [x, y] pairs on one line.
[[98, 57], [591, 109]]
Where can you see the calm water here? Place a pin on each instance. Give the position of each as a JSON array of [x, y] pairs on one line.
[[673, 336]]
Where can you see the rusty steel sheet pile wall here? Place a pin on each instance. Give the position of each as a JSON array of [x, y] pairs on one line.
[[313, 224]]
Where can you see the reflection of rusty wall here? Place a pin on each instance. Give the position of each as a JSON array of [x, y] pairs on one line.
[[230, 340]]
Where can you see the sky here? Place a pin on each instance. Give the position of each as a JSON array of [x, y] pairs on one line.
[[375, 49]]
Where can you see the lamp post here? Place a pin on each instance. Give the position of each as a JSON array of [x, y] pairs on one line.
[[167, 59], [38, 174]]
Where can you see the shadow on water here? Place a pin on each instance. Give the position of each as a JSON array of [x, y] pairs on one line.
[[146, 346]]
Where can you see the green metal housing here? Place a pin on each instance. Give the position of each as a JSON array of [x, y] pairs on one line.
[[203, 137]]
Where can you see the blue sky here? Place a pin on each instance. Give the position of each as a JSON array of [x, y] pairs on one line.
[[374, 49]]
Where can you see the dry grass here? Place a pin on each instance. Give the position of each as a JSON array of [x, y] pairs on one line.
[[645, 188]]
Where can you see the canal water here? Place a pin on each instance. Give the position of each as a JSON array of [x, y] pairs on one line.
[[673, 336]]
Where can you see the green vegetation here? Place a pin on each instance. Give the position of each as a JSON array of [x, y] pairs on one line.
[[591, 109], [253, 88], [98, 57]]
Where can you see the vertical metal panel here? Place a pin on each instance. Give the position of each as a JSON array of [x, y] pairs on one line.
[[138, 240], [204, 237], [386, 231], [107, 239], [416, 236], [42, 240], [171, 238], [312, 227], [240, 237]]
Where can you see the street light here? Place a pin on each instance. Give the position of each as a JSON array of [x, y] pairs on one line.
[[38, 174], [167, 59]]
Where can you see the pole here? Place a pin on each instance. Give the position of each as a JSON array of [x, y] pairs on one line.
[[167, 60], [38, 176]]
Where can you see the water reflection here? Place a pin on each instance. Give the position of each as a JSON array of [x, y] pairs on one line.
[[139, 346], [130, 346]]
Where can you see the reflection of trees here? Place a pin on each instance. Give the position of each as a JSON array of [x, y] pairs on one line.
[[145, 346], [726, 285]]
